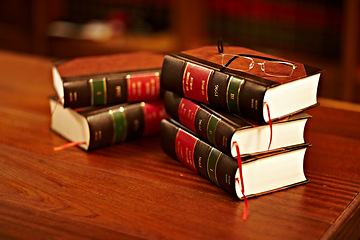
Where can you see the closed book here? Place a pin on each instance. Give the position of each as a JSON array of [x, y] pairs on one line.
[[97, 127], [261, 174], [221, 129], [199, 74], [108, 79]]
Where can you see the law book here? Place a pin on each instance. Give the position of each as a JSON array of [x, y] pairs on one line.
[[221, 129], [97, 127], [199, 74], [108, 79], [261, 174]]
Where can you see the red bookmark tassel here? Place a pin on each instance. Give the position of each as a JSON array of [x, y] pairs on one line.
[[67, 145], [245, 213], [52, 113], [270, 124]]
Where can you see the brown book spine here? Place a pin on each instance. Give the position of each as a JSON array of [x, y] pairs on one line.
[[124, 122], [199, 156], [112, 88], [206, 84], [210, 127]]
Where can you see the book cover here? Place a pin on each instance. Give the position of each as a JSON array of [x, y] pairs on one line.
[[108, 79], [199, 74]]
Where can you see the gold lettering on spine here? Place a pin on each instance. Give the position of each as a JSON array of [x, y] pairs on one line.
[[139, 88], [203, 87], [224, 141], [216, 90], [199, 162], [187, 81], [147, 88], [118, 91], [153, 86], [73, 96], [98, 135], [199, 124]]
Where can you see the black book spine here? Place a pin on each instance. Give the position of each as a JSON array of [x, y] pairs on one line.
[[205, 84], [110, 89], [199, 156], [124, 122], [210, 127]]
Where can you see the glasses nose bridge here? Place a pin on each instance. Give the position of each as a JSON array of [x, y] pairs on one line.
[[261, 64]]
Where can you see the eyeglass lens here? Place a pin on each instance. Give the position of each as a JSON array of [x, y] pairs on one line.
[[271, 68]]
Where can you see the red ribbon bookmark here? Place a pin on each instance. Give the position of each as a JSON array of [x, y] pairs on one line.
[[67, 145], [245, 213], [270, 123]]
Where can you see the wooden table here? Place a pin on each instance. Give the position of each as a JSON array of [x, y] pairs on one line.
[[134, 190]]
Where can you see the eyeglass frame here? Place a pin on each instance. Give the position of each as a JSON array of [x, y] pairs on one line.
[[250, 57]]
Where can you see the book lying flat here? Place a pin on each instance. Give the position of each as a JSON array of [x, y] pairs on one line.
[[261, 174], [221, 129], [108, 79], [199, 74], [97, 127]]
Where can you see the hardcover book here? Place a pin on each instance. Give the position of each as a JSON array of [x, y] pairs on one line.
[[250, 83], [97, 127], [260, 174], [221, 129], [108, 79]]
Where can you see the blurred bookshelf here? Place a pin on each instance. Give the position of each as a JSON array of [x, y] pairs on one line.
[[319, 32]]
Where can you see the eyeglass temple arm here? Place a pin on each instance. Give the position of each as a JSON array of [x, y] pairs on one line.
[[220, 46], [254, 56]]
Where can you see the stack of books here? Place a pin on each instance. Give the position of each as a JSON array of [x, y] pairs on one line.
[[105, 100], [237, 117]]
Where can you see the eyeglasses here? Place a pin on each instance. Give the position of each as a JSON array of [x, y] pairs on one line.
[[245, 62]]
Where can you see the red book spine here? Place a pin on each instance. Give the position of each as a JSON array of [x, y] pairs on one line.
[[187, 111], [195, 82], [144, 86], [154, 112], [184, 148]]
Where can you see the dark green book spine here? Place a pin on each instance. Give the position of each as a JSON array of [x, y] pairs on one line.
[[199, 156]]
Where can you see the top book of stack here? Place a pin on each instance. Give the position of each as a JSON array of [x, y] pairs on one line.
[[200, 75], [108, 79]]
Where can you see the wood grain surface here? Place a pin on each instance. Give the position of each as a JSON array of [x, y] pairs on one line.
[[135, 191]]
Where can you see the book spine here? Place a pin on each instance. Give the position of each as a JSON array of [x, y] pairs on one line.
[[209, 127], [210, 86], [110, 90], [124, 123], [199, 156]]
